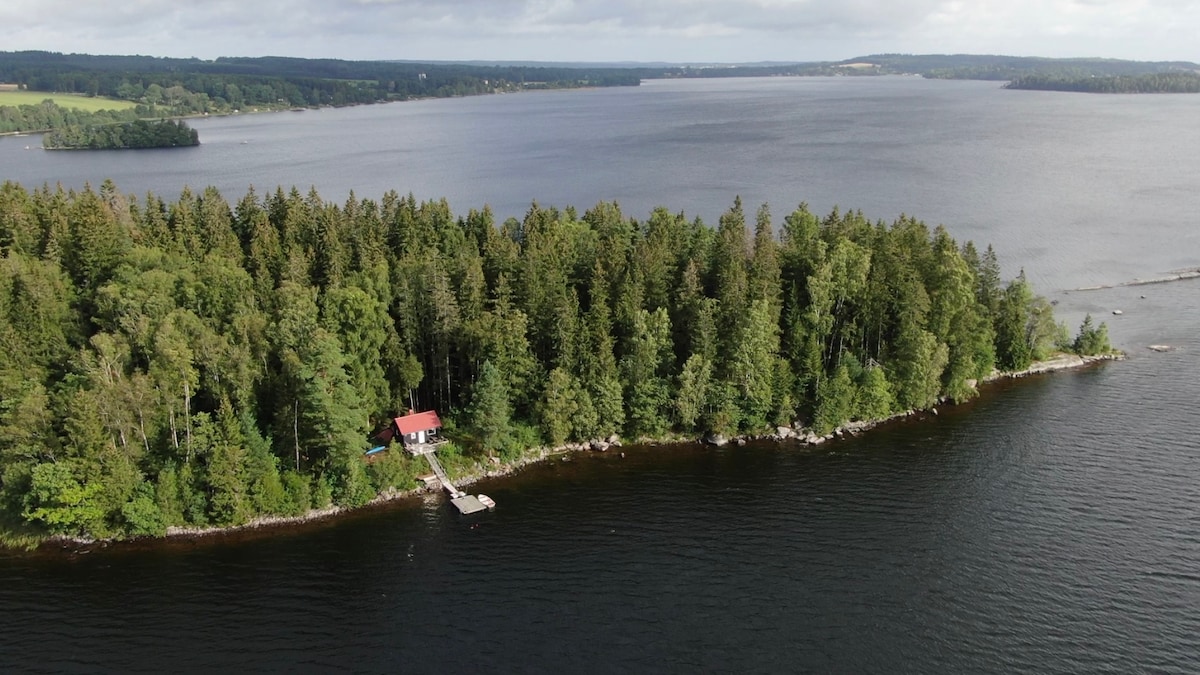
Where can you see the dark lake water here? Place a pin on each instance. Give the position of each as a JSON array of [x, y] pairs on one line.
[[1053, 525]]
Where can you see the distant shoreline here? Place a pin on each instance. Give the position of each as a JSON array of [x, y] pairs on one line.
[[1178, 275], [267, 524], [260, 110]]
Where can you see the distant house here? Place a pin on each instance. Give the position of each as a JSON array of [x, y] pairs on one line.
[[9, 87], [413, 429]]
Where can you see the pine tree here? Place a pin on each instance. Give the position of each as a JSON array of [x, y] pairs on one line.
[[558, 406], [875, 399], [752, 368], [1091, 339], [730, 281], [835, 405], [1013, 350], [917, 368], [360, 323], [229, 502], [647, 359], [490, 415], [693, 391]]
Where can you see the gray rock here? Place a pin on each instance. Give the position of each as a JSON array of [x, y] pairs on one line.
[[784, 433], [717, 440]]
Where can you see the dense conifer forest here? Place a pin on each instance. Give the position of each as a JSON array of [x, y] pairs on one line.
[[193, 362], [166, 87], [1149, 83], [134, 135]]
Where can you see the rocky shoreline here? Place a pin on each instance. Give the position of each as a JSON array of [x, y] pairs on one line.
[[794, 434], [805, 436]]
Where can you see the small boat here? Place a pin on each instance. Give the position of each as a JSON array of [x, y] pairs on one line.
[[486, 501]]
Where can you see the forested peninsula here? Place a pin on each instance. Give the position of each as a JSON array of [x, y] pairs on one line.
[[145, 87], [196, 363], [1146, 83]]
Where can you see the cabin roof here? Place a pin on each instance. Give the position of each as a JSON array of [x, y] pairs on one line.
[[422, 421]]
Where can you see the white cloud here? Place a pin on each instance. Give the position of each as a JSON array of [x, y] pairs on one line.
[[679, 30]]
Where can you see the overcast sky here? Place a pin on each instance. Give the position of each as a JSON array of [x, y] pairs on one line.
[[606, 30]]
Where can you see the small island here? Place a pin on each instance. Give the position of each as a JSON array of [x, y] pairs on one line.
[[136, 135]]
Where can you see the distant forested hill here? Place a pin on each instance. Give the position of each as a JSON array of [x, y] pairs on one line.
[[994, 67], [952, 66], [170, 87], [174, 87]]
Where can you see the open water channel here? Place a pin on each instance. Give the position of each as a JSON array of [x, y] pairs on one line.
[[1053, 525]]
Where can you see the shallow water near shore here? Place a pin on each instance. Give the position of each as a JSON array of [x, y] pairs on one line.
[[1049, 526]]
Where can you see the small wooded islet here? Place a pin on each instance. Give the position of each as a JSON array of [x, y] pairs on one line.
[[135, 135]]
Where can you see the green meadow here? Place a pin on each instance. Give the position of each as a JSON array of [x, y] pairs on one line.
[[65, 100]]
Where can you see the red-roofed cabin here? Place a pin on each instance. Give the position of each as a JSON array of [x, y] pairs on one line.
[[414, 428]]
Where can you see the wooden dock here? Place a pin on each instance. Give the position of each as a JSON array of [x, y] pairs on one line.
[[468, 504], [465, 503]]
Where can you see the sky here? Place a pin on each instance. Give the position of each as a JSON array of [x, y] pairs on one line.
[[677, 31]]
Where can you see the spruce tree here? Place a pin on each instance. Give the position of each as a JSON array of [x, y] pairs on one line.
[[490, 415]]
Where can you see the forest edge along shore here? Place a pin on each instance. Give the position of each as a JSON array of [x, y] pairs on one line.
[[798, 436]]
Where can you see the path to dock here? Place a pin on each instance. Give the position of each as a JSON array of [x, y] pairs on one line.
[[462, 501], [441, 474]]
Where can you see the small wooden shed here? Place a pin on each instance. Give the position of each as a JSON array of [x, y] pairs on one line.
[[415, 428]]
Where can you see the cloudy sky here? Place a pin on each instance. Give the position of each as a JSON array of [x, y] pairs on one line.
[[606, 30]]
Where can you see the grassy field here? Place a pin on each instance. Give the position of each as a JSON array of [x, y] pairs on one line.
[[64, 100]]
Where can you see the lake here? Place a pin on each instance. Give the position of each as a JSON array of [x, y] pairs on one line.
[[1052, 525]]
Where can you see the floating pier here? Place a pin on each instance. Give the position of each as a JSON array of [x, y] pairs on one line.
[[468, 504]]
